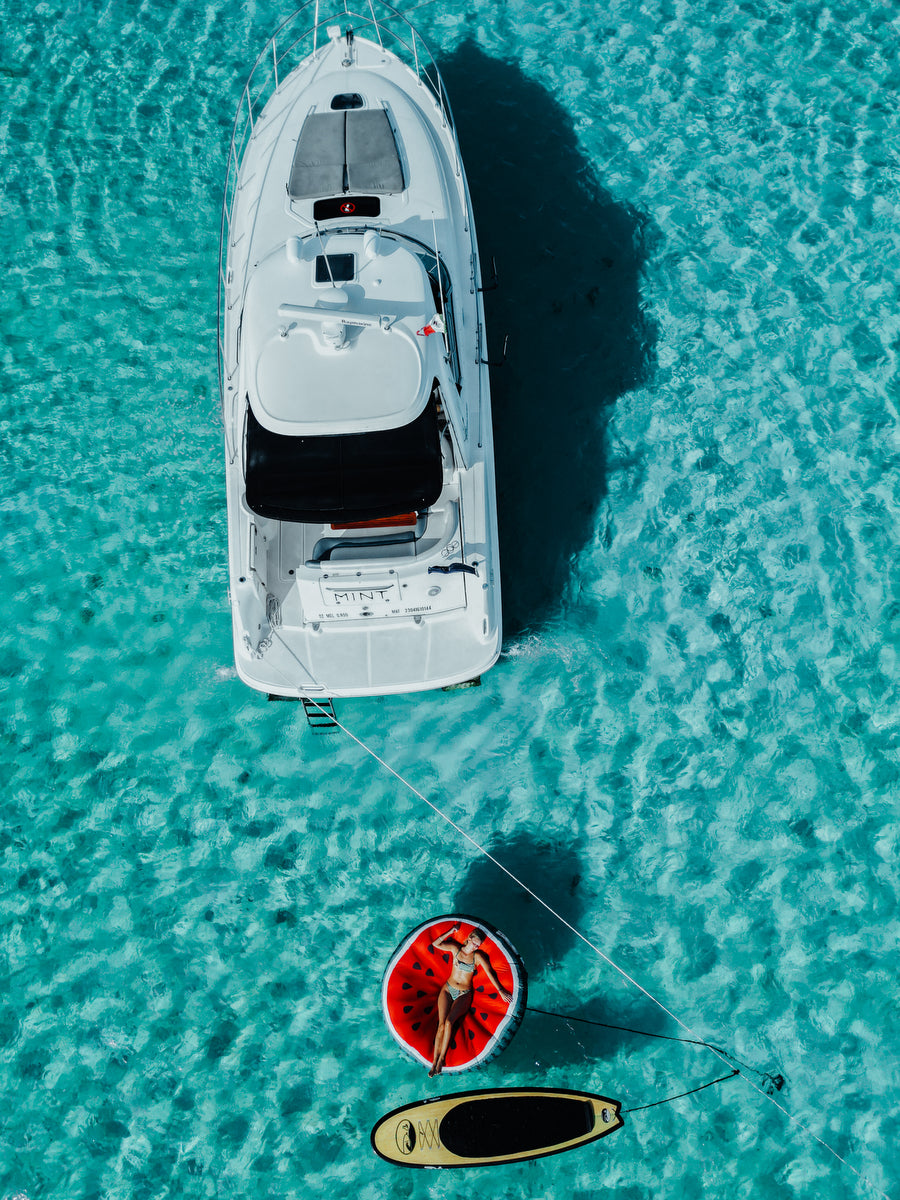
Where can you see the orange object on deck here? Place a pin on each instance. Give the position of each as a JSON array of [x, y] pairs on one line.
[[380, 522]]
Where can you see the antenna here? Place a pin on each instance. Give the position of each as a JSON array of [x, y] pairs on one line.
[[324, 253]]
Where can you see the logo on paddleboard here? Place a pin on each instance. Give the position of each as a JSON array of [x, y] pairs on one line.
[[348, 207], [428, 1132], [405, 1137]]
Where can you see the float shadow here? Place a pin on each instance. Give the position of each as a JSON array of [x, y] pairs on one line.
[[549, 868]]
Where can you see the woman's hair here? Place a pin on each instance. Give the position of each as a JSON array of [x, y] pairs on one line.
[[479, 933]]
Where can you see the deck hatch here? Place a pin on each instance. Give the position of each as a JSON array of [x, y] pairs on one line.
[[345, 100], [337, 268]]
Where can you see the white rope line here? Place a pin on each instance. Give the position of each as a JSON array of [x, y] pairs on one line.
[[478, 846]]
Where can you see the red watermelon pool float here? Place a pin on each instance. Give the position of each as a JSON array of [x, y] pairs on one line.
[[417, 972]]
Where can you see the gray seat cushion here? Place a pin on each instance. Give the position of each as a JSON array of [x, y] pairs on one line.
[[318, 167], [373, 161], [352, 151]]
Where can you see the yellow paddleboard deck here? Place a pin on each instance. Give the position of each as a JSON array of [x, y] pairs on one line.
[[488, 1127]]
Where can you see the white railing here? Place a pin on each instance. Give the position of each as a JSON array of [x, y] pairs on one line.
[[304, 33]]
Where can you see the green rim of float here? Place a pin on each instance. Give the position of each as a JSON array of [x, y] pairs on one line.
[[417, 972]]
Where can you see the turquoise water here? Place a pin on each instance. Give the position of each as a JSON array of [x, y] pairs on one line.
[[690, 745]]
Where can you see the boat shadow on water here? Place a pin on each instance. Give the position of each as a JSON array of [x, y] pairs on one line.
[[570, 259]]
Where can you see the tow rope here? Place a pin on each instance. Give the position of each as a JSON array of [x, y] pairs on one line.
[[596, 949]]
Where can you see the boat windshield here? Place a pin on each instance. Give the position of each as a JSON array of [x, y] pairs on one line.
[[442, 293], [346, 477]]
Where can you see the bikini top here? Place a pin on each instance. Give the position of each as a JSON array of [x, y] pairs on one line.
[[463, 966]]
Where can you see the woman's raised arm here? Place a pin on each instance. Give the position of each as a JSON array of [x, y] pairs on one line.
[[439, 941]]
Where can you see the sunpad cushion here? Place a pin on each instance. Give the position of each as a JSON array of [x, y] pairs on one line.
[[345, 151], [373, 164], [318, 167]]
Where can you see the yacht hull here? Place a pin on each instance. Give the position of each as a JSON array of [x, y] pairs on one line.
[[362, 516]]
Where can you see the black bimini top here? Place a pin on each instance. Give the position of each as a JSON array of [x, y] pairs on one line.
[[346, 477]]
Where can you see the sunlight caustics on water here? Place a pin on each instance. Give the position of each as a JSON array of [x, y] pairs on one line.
[[690, 745]]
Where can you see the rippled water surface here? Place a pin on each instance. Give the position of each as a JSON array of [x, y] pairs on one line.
[[690, 745]]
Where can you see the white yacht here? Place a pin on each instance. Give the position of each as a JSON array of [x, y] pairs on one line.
[[362, 522]]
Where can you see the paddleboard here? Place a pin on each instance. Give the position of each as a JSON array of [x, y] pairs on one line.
[[492, 1126]]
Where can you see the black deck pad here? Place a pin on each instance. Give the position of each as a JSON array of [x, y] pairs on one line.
[[505, 1125], [346, 206]]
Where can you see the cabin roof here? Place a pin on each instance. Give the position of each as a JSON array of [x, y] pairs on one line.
[[332, 335]]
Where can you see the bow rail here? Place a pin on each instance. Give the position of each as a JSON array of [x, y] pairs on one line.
[[302, 35]]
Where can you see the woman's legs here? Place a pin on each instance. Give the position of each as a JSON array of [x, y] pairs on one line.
[[443, 1008], [458, 1010]]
